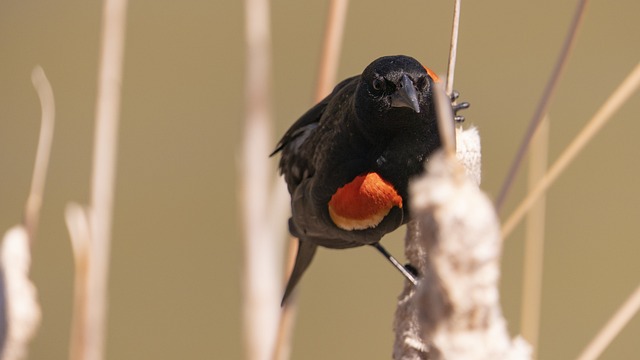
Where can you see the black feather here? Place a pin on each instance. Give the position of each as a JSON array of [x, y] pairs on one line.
[[361, 127]]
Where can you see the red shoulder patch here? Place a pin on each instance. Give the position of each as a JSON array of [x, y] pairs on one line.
[[363, 203], [432, 74]]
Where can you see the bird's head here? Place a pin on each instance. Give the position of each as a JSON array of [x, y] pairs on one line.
[[393, 89]]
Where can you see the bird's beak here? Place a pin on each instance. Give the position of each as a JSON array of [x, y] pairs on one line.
[[405, 95]]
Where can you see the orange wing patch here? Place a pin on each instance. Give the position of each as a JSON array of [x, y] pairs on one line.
[[363, 203]]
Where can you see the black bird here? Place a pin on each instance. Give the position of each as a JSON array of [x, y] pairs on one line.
[[347, 161]]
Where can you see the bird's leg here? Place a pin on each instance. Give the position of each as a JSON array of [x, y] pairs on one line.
[[457, 107], [410, 274]]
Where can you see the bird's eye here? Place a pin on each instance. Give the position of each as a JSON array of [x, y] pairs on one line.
[[378, 84], [421, 83]]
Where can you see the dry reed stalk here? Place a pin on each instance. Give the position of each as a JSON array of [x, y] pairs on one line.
[[534, 241], [43, 154], [602, 116], [453, 47], [331, 47], [90, 307], [262, 253], [446, 125], [545, 101], [451, 65], [77, 220], [615, 324], [289, 311]]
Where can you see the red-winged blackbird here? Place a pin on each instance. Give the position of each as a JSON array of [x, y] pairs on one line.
[[347, 161]]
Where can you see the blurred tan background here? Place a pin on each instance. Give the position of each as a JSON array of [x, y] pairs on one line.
[[176, 256]]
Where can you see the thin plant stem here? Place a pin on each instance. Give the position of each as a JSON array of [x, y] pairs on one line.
[[602, 116], [613, 327], [451, 66], [545, 101], [77, 220], [534, 241], [331, 47], [288, 312], [43, 154], [103, 175], [453, 48], [262, 256], [446, 125]]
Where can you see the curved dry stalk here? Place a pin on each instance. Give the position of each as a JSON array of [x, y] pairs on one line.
[[43, 154], [21, 315], [545, 100], [602, 116], [534, 241], [630, 307]]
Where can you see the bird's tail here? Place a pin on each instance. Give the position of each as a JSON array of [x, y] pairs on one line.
[[306, 251]]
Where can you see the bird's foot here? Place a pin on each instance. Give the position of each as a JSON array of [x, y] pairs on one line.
[[409, 271], [457, 107]]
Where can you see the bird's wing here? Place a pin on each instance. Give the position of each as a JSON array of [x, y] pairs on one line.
[[298, 172], [298, 143], [310, 118]]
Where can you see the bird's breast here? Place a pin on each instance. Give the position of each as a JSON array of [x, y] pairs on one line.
[[363, 203]]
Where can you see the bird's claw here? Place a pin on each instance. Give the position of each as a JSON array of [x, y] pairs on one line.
[[457, 107]]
